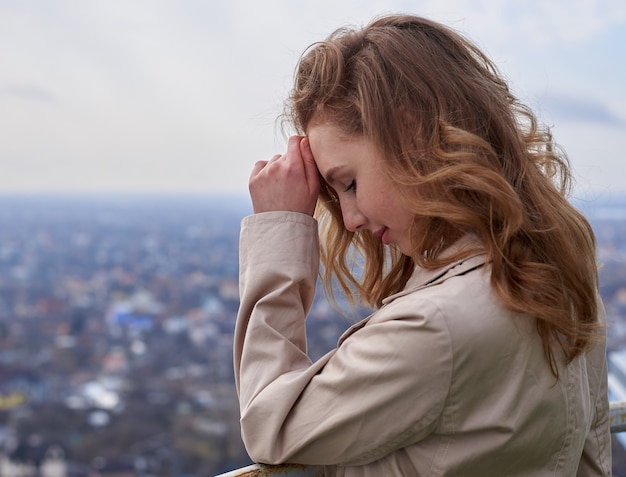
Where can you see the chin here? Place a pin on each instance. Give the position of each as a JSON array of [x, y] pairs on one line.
[[405, 250]]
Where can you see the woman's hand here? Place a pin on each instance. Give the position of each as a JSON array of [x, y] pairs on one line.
[[287, 182]]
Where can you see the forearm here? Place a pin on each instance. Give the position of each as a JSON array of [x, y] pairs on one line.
[[279, 262]]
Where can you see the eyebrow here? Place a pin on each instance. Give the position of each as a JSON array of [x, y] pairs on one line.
[[330, 174]]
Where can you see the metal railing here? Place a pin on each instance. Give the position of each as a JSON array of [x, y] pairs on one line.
[[285, 470], [617, 416]]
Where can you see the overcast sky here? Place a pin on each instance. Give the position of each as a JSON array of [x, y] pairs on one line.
[[182, 96]]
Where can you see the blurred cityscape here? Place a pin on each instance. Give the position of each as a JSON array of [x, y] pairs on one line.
[[116, 323]]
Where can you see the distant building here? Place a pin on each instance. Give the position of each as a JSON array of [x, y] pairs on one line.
[[18, 387], [34, 458], [121, 467], [617, 375], [617, 382]]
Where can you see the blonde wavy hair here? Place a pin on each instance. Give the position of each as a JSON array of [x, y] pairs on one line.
[[466, 156]]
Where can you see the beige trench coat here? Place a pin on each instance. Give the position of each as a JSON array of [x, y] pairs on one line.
[[442, 380]]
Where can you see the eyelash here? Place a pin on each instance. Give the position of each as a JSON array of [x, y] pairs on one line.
[[351, 186]]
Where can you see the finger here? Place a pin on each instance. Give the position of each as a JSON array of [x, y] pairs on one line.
[[310, 167], [293, 149], [258, 167]]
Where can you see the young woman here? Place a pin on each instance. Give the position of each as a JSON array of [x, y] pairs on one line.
[[485, 355]]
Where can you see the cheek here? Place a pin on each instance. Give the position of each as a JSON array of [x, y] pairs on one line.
[[399, 213], [376, 195]]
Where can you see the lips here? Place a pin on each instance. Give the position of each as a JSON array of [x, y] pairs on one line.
[[385, 237], [383, 234]]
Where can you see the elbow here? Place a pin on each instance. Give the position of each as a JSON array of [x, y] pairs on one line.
[[262, 446]]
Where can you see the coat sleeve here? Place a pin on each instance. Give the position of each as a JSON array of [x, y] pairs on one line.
[[382, 389]]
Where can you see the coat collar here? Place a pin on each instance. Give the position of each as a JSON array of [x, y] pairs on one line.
[[422, 278]]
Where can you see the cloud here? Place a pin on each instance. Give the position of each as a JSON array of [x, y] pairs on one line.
[[29, 92], [577, 109], [532, 22]]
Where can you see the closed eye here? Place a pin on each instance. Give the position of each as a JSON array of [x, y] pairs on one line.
[[351, 186]]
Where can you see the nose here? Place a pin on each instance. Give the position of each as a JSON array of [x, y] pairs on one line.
[[353, 219]]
